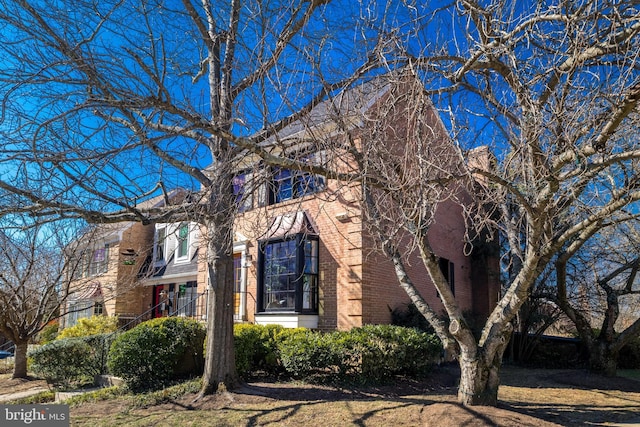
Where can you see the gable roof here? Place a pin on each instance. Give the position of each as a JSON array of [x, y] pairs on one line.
[[347, 105]]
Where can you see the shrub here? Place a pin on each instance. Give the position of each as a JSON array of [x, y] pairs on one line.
[[157, 351], [48, 333], [313, 355], [71, 361], [87, 326], [367, 354], [386, 350], [256, 347]]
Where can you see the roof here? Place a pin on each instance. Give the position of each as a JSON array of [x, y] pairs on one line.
[[170, 270], [112, 232], [347, 104]]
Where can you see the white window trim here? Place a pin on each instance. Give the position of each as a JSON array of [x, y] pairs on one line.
[[243, 249], [156, 261], [288, 320], [187, 257]]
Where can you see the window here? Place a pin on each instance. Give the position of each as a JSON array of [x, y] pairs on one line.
[[288, 184], [91, 263], [99, 261], [446, 267], [161, 236], [237, 282], [241, 191], [79, 310], [98, 309], [78, 266], [183, 241], [288, 274]]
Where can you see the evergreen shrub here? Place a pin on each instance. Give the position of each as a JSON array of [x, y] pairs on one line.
[[158, 351], [71, 361]]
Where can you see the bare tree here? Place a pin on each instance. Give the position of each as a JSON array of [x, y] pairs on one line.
[[553, 89], [107, 104], [33, 282], [596, 286]]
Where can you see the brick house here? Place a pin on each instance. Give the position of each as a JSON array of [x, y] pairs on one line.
[[302, 253], [105, 280], [106, 277]]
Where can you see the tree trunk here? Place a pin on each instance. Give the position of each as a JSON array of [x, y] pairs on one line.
[[20, 360], [602, 359], [220, 369], [480, 370]]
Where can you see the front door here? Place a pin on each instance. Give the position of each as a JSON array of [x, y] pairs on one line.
[[157, 298]]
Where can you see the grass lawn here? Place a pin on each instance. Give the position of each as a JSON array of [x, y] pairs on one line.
[[528, 397]]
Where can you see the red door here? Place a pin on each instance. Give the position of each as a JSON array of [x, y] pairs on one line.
[[157, 310]]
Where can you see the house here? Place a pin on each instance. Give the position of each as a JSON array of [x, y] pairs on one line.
[[107, 268], [104, 272], [303, 256], [171, 272]]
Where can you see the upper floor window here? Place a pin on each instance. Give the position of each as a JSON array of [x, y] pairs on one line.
[[183, 242], [99, 261], [289, 184], [274, 185], [242, 192], [160, 241], [91, 263]]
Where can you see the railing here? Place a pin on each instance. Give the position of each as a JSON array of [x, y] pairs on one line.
[[194, 308], [8, 347]]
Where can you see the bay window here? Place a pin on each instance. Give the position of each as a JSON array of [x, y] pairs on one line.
[[288, 274]]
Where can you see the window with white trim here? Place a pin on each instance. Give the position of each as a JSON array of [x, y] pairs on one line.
[[182, 251], [160, 245]]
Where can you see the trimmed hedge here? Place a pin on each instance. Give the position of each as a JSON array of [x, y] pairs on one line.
[[256, 347], [158, 351], [71, 361], [367, 354]]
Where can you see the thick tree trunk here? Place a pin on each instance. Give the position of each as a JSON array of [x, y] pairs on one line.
[[480, 378], [20, 360], [479, 382], [602, 359], [220, 369], [480, 369]]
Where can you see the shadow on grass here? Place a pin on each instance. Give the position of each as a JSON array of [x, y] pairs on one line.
[[576, 415]]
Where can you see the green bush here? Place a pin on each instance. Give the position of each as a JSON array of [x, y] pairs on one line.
[[157, 351], [314, 355], [87, 326], [367, 354], [71, 361], [48, 333], [256, 347], [385, 351]]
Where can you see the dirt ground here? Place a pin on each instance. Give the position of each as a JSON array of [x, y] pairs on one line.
[[528, 397]]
